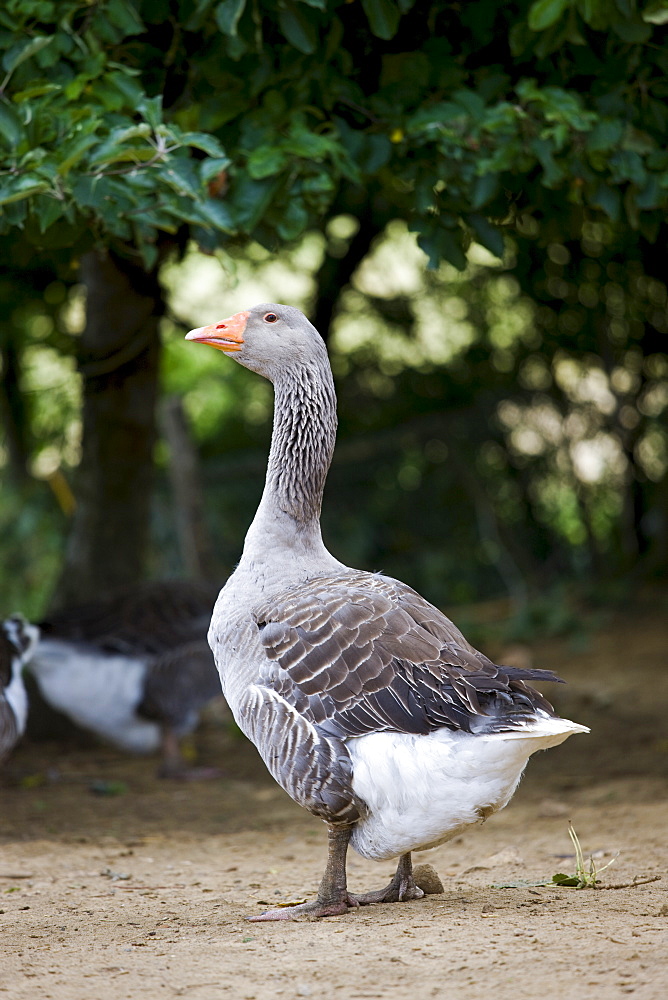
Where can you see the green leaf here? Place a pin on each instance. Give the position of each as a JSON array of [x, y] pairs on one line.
[[294, 218], [128, 87], [15, 213], [39, 90], [484, 189], [149, 253], [439, 242], [544, 13], [605, 135], [628, 165], [107, 94], [181, 175], [266, 161], [113, 148], [109, 199], [11, 126], [85, 192], [383, 17], [553, 173], [124, 154], [658, 160], [24, 50], [123, 15], [202, 140], [571, 881], [520, 38], [487, 235], [595, 12], [374, 153], [75, 151], [21, 187], [451, 249], [471, 102], [47, 210], [249, 199], [228, 14], [638, 141], [608, 199], [212, 167], [237, 47], [151, 109], [214, 212], [298, 29], [633, 33], [318, 191], [39, 159], [650, 196]]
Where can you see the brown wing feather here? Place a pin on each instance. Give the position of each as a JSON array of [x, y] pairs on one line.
[[314, 769], [361, 652]]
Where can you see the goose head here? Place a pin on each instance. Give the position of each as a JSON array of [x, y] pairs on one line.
[[269, 339]]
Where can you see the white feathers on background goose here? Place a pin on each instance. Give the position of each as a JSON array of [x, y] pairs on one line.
[[17, 643], [133, 667], [367, 704]]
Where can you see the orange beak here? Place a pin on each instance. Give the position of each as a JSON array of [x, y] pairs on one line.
[[228, 335]]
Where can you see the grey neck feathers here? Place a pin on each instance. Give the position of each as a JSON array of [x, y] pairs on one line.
[[302, 441]]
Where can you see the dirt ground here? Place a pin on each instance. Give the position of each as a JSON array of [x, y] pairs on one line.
[[143, 893]]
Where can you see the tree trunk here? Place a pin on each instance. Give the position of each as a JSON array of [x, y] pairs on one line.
[[188, 497], [119, 361], [12, 404]]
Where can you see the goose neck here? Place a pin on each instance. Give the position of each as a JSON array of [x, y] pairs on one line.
[[304, 431]]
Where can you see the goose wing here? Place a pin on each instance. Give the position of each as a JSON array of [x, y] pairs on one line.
[[359, 653], [363, 653]]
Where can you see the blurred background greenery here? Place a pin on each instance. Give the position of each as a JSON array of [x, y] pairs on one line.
[[490, 442], [468, 200]]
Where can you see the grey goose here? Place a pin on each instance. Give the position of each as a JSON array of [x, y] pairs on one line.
[[134, 667], [367, 704], [17, 643]]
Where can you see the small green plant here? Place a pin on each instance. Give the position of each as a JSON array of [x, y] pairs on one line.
[[585, 877], [586, 872]]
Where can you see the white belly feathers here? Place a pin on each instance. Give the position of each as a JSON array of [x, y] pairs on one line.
[[97, 692], [424, 790]]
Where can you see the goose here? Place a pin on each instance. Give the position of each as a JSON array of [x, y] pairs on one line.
[[17, 642], [367, 705], [134, 667]]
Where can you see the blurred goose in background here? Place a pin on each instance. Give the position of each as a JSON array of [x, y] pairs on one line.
[[18, 640], [366, 703], [134, 668]]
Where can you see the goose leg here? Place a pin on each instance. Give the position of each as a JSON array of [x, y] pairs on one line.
[[173, 765], [401, 888], [333, 896]]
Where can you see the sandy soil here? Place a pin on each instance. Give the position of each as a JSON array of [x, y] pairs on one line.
[[143, 893]]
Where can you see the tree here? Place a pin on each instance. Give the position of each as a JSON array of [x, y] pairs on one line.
[[129, 126]]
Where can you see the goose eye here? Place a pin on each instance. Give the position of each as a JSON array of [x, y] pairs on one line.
[[270, 318]]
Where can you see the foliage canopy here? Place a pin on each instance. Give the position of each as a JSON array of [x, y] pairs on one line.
[[536, 129], [122, 120]]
